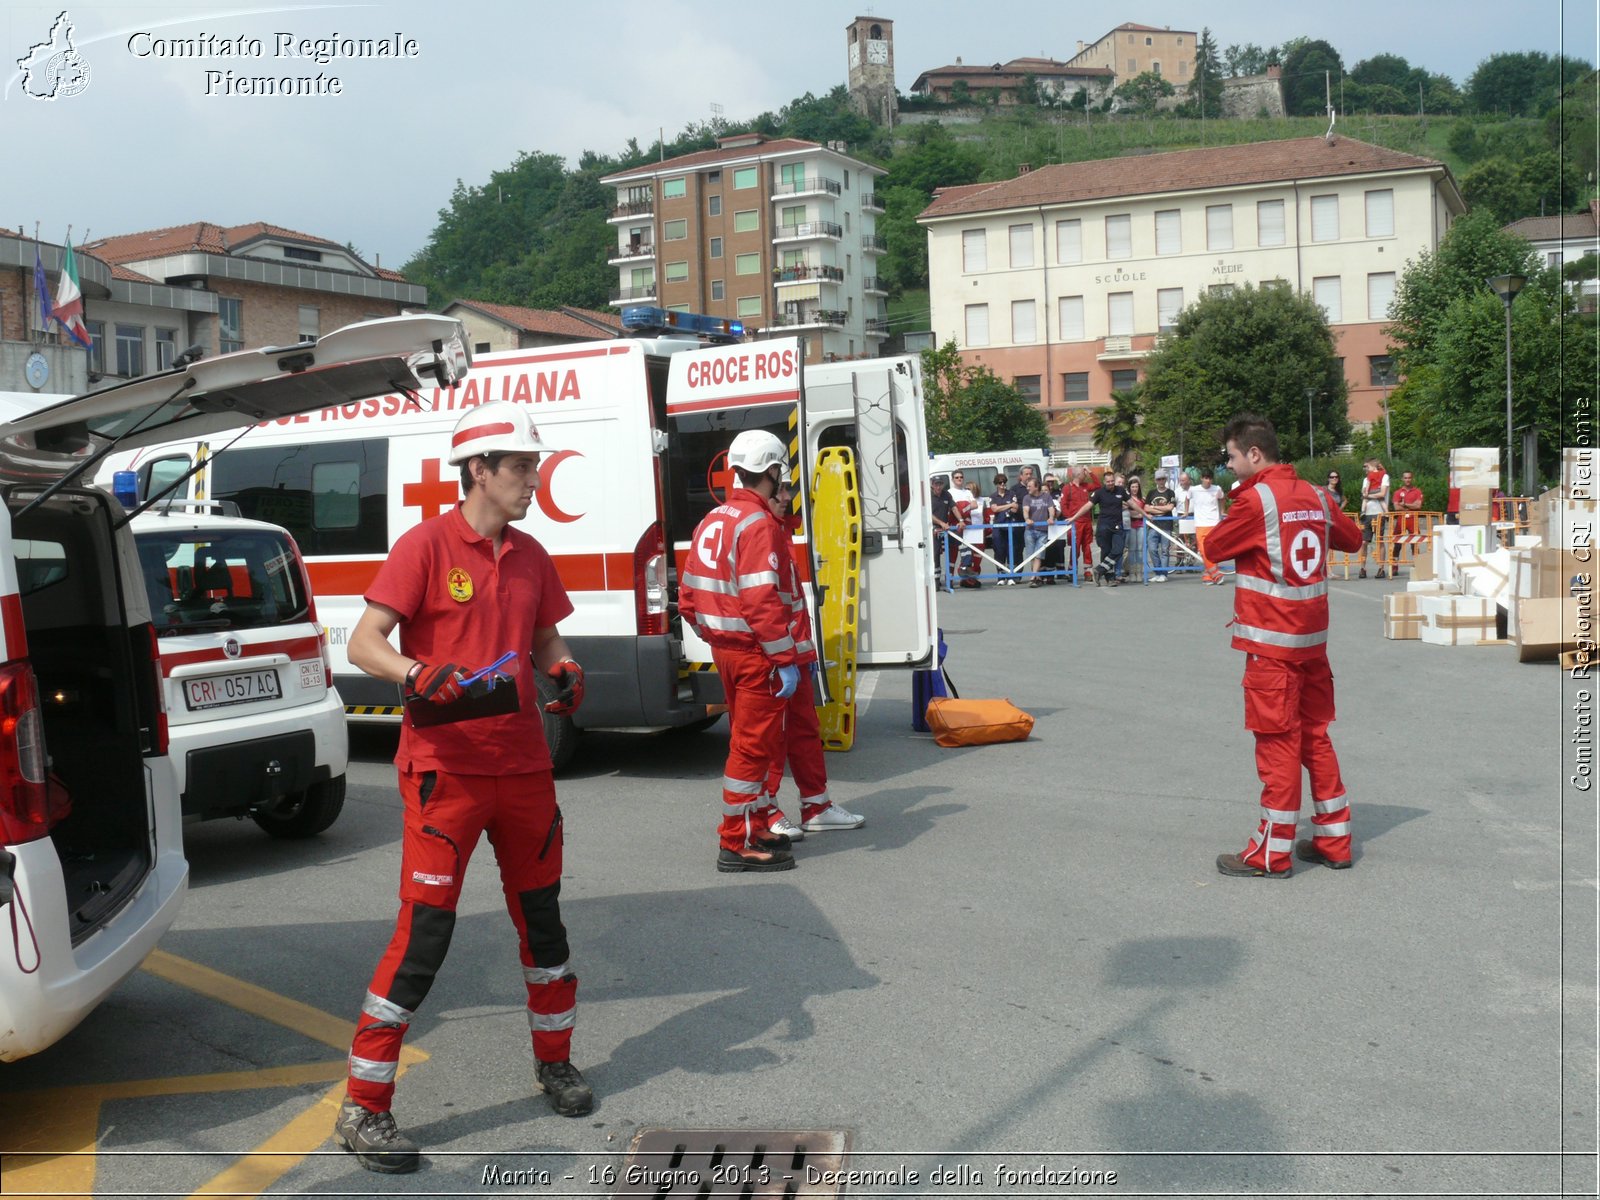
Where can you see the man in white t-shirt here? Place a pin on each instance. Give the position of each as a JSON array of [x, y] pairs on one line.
[[1374, 505], [1206, 502], [968, 512]]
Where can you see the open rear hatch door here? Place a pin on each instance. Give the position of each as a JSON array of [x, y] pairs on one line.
[[371, 358]]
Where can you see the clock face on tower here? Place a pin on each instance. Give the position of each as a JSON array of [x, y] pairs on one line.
[[877, 52], [855, 54]]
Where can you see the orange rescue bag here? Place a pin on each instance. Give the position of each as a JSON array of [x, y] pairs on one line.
[[977, 722]]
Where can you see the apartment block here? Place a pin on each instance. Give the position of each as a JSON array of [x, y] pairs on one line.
[[780, 234], [1064, 278]]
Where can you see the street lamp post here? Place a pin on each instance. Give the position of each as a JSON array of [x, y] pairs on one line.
[[1507, 287], [1311, 424]]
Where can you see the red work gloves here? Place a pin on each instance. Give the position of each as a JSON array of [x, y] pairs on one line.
[[568, 677], [440, 685]]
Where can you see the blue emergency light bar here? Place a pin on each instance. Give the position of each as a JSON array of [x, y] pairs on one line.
[[643, 319]]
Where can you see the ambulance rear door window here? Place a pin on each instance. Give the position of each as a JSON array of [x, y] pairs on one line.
[[698, 459], [332, 495]]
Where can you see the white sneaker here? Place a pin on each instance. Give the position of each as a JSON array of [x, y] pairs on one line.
[[782, 824], [1158, 579], [835, 816]]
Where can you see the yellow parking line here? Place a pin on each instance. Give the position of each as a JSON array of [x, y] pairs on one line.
[[247, 997], [61, 1124]]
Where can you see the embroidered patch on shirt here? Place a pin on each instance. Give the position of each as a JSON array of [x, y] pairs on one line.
[[435, 880], [460, 585]]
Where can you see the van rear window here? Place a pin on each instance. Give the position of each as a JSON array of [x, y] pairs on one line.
[[245, 579]]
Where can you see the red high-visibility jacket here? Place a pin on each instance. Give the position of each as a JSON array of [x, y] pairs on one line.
[[737, 584], [1278, 533]]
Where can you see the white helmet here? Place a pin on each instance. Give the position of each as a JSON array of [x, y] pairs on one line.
[[499, 427], [756, 450]]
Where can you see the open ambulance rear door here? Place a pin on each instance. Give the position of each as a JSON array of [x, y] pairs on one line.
[[874, 407]]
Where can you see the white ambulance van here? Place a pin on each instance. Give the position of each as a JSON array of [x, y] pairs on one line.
[[92, 870], [981, 466], [642, 426]]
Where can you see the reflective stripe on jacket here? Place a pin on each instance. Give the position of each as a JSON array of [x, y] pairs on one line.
[[736, 585], [1278, 533]]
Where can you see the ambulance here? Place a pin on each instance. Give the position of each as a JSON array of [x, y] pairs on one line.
[[641, 425]]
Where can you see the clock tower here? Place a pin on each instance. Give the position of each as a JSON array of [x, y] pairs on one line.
[[869, 53]]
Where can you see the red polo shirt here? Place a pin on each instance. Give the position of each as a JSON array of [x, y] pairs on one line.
[[459, 604]]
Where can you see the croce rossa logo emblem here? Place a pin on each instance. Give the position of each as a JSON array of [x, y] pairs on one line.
[[53, 69]]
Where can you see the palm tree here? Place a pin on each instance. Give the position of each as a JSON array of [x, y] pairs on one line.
[[1116, 428]]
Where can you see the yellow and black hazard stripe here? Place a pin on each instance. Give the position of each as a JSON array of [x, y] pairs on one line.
[[794, 458], [374, 710]]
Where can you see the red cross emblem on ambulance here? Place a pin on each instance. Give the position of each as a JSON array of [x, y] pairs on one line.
[[432, 494]]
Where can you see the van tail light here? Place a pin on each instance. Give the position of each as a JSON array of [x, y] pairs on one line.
[[158, 707], [650, 583], [26, 811]]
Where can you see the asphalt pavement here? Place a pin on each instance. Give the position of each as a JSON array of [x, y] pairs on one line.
[[1024, 965]]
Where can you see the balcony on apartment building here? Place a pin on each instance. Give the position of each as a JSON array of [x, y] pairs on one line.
[[810, 318], [1118, 347], [634, 295], [634, 206], [806, 273], [874, 286], [811, 185], [631, 251], [873, 243], [877, 327], [805, 231], [869, 202]]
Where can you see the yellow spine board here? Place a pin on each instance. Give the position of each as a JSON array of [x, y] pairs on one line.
[[836, 533]]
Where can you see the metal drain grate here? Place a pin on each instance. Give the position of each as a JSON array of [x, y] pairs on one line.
[[751, 1164]]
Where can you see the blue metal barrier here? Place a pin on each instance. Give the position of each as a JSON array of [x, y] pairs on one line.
[[954, 546]]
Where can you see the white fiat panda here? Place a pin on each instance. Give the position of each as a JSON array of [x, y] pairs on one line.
[[255, 726], [91, 858]]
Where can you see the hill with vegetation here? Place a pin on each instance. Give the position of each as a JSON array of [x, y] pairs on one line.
[[1519, 137]]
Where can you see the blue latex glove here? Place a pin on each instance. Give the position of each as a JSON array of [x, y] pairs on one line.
[[788, 680], [816, 679]]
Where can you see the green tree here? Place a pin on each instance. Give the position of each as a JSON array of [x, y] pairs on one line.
[[1474, 248], [906, 263], [1459, 398], [1117, 428], [1205, 88], [1390, 69], [1257, 349], [1572, 128], [933, 159], [1249, 59], [1142, 91], [1305, 72], [1496, 186], [969, 407], [1522, 83]]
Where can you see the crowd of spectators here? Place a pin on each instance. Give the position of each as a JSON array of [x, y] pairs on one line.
[[1118, 530]]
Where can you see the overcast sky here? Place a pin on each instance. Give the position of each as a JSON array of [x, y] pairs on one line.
[[144, 146]]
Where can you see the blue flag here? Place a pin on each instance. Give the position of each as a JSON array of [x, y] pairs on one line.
[[43, 290]]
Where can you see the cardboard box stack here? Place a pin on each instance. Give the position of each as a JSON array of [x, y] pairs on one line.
[[1546, 627], [1402, 619], [1475, 467]]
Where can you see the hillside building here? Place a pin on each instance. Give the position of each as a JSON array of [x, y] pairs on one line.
[[1130, 50], [1055, 82], [780, 234], [511, 327], [1064, 278]]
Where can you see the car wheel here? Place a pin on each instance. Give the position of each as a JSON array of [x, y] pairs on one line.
[[318, 807], [560, 732]]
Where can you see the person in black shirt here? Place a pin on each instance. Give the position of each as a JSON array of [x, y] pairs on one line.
[[944, 522], [1054, 561], [1004, 513], [1158, 508], [1108, 500]]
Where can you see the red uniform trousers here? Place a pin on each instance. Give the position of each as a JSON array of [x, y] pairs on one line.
[[444, 814], [1084, 532], [755, 741], [1288, 705], [802, 748]]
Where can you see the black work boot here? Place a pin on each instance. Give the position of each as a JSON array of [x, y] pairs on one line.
[[754, 858], [569, 1094], [374, 1139], [1233, 864]]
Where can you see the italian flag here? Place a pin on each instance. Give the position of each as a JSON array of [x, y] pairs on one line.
[[69, 299]]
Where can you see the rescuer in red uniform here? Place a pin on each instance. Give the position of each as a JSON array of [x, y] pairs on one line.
[[730, 588], [1278, 532], [802, 734], [465, 588]]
